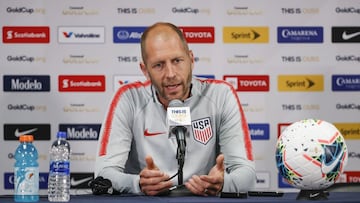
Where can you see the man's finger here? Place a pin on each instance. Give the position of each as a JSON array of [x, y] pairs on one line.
[[150, 163], [220, 162]]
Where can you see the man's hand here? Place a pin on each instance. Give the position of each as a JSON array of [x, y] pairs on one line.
[[152, 180], [210, 184]]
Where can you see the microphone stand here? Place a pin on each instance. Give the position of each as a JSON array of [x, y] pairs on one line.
[[180, 131]]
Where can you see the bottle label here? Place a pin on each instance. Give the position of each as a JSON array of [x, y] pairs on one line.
[[60, 167], [26, 180]]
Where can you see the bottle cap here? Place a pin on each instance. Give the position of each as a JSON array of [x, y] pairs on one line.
[[61, 134], [26, 138]]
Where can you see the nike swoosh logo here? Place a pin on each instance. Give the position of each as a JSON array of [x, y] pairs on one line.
[[328, 168], [347, 36], [147, 133], [17, 133], [74, 182], [312, 195]]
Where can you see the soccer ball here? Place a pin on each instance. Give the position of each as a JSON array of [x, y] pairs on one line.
[[311, 154]]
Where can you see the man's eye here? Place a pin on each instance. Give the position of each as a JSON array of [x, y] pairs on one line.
[[177, 61], [159, 65]]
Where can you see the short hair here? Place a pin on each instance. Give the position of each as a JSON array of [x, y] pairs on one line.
[[166, 24]]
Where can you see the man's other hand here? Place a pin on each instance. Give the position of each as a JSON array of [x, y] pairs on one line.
[[210, 184], [152, 180]]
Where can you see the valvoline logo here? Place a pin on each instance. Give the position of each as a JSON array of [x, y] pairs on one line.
[[127, 34]]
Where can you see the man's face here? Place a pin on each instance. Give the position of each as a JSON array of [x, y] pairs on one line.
[[169, 67]]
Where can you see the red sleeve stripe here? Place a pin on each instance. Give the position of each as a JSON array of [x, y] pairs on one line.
[[245, 127], [109, 117]]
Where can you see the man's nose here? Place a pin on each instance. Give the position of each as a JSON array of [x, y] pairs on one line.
[[170, 71]]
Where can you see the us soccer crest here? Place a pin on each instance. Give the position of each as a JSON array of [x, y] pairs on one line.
[[202, 130]]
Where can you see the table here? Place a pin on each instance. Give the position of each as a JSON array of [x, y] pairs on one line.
[[287, 197]]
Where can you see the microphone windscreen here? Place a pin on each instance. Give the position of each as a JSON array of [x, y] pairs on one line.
[[176, 103]]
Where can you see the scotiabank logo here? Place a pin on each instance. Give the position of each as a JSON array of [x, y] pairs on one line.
[[40, 34], [249, 82], [81, 83], [199, 34]]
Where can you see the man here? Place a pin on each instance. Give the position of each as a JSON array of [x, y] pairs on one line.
[[137, 152]]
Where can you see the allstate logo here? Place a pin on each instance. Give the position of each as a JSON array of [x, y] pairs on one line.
[[127, 34], [123, 35]]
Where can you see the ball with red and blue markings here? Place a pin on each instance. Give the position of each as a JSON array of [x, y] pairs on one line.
[[311, 154]]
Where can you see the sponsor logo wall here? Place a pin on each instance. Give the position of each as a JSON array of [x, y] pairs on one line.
[[61, 62]]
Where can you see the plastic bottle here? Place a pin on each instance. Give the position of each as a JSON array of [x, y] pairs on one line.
[[59, 173], [26, 172]]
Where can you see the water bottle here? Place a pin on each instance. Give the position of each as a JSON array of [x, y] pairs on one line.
[[26, 172], [59, 173]]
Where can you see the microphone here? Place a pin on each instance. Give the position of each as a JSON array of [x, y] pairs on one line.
[[179, 122]]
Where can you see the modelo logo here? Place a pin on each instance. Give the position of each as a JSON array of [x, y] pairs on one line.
[[81, 131], [127, 34], [26, 83]]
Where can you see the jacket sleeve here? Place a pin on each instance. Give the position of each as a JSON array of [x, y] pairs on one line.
[[235, 144], [115, 143]]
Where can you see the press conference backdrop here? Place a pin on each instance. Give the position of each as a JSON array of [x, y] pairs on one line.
[[61, 61]]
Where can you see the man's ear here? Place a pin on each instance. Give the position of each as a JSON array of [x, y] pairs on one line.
[[144, 70], [191, 55]]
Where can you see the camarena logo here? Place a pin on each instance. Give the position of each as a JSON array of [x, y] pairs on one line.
[[81, 83], [81, 35], [346, 82], [127, 34], [26, 83], [300, 34], [26, 34]]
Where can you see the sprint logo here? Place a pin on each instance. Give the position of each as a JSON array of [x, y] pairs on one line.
[[301, 83]]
